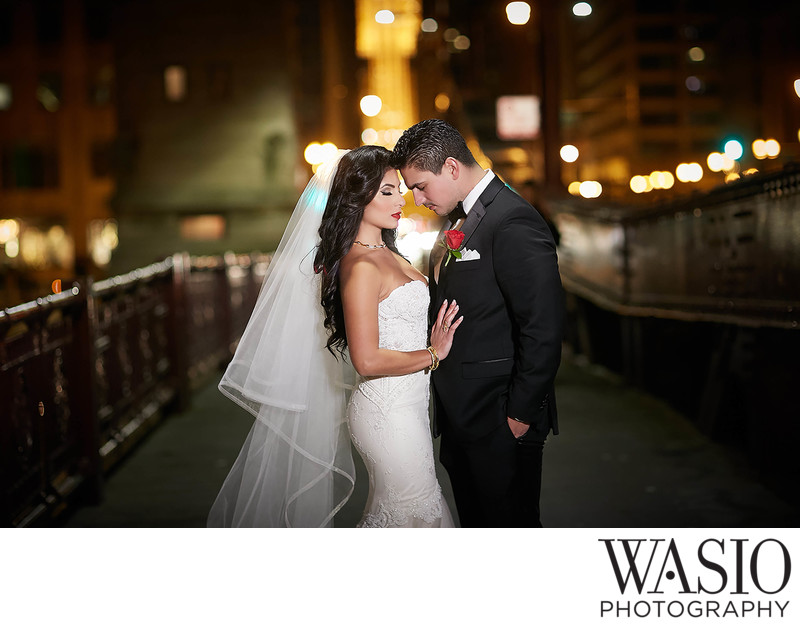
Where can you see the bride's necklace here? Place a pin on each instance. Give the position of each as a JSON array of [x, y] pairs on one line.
[[369, 245]]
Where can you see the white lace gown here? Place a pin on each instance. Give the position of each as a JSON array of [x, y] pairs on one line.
[[390, 428]]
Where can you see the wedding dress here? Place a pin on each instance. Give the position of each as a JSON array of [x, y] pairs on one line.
[[389, 426], [295, 468]]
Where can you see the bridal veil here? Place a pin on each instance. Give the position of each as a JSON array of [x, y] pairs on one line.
[[296, 467]]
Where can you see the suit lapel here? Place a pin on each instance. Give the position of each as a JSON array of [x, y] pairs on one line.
[[437, 252], [474, 218], [475, 215]]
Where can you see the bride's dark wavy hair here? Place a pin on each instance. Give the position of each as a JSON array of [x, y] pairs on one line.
[[356, 182]]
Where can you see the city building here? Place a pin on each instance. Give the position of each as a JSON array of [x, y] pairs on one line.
[[217, 102], [57, 127], [648, 86]]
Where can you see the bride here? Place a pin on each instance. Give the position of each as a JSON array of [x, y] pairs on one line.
[[338, 282]]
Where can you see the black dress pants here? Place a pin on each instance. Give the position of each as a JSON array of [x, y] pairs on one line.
[[496, 480]]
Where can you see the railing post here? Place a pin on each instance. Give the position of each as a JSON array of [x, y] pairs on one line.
[[89, 465], [229, 260], [181, 267]]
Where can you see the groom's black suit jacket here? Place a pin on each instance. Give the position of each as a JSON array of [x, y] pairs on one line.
[[508, 348]]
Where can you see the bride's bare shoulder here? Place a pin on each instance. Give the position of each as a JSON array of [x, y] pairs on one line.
[[358, 267]]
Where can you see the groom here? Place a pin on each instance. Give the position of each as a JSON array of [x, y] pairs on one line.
[[493, 396]]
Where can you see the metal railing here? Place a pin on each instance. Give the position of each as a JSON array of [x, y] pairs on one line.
[[697, 302], [84, 374], [730, 256]]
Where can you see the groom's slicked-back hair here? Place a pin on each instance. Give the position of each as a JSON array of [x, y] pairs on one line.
[[427, 145]]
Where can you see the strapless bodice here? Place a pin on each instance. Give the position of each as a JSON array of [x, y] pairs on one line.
[[403, 318]]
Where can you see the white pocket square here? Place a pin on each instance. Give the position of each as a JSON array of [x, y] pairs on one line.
[[469, 255]]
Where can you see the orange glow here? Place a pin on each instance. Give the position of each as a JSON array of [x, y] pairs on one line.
[[56, 286]]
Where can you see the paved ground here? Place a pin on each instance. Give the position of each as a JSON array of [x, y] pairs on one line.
[[624, 459]]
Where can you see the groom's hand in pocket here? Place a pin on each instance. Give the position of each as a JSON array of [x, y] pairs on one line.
[[518, 428]]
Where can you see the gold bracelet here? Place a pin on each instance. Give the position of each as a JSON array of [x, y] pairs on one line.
[[434, 358]]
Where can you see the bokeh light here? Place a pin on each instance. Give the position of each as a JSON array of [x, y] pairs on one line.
[[316, 153], [694, 84], [9, 229], [582, 9], [773, 148], [661, 180], [569, 153], [12, 248], [384, 17], [429, 25], [715, 162], [450, 35], [689, 172], [369, 136], [590, 189], [518, 12], [442, 102], [462, 42], [733, 149], [640, 184], [371, 105], [574, 188], [696, 54]]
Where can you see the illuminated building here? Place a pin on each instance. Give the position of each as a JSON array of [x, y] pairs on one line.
[[57, 125], [651, 85], [217, 102]]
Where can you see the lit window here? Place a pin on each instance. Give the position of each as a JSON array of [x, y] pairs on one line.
[[101, 89], [48, 91], [175, 83], [5, 96], [203, 227]]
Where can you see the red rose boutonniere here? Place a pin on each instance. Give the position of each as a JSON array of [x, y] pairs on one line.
[[453, 240]]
